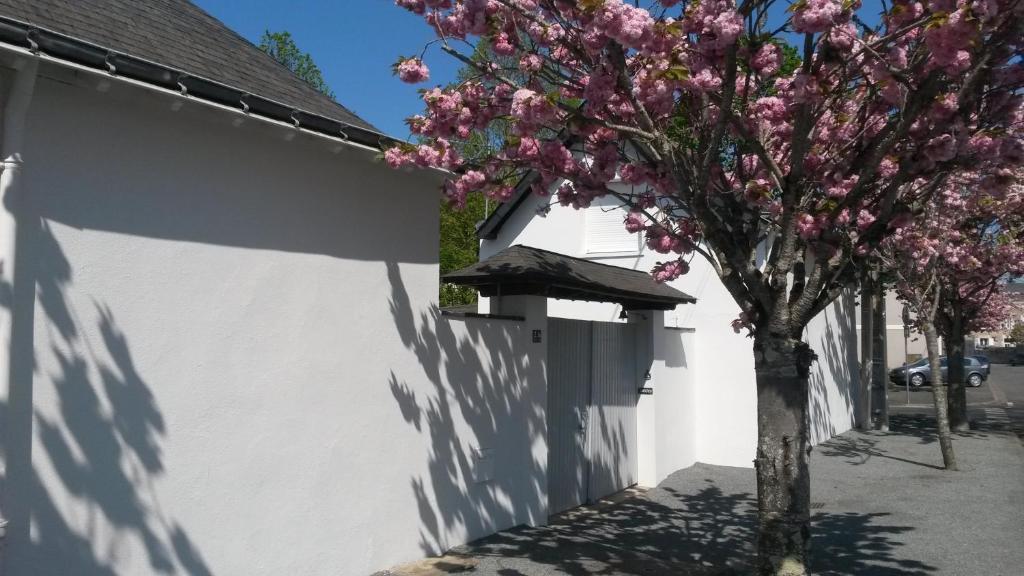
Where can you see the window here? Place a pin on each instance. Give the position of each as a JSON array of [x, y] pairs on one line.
[[982, 341], [605, 229]]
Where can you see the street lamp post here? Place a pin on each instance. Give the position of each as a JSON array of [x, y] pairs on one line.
[[906, 350]]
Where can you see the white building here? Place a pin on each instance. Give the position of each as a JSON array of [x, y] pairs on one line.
[[719, 405], [214, 362]]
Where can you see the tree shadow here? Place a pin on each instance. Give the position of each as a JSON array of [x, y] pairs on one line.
[[473, 406], [84, 434], [483, 412], [860, 450], [923, 427], [697, 522]]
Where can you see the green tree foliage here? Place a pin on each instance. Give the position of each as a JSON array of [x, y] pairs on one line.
[[282, 48], [459, 246], [1017, 333]]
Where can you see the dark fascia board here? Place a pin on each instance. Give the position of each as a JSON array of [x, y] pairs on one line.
[[509, 286], [81, 52], [489, 228]]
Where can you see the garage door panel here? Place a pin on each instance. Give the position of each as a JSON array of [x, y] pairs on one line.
[[612, 445], [569, 364]]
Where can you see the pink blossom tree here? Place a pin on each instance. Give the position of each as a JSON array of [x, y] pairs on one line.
[[947, 264], [783, 179], [987, 247]]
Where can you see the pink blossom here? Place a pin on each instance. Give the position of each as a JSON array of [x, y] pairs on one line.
[[531, 63], [668, 271], [865, 219], [767, 59], [807, 227], [888, 167], [840, 189], [414, 6], [412, 70], [634, 221], [395, 157], [771, 109], [705, 81], [502, 46], [816, 16], [530, 108], [950, 40], [941, 148], [663, 241]]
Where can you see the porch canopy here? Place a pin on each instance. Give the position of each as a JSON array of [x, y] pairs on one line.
[[524, 270]]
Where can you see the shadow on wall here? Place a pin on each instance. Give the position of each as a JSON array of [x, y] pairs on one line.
[[102, 443], [483, 398], [837, 362], [477, 399]]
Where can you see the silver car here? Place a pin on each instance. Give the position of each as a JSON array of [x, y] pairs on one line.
[[920, 372]]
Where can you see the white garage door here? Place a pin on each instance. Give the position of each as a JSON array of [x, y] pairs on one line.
[[593, 390]]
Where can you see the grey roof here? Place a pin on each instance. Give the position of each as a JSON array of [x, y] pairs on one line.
[[518, 270], [179, 35]]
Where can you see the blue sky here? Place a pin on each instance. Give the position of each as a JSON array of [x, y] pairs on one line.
[[355, 42]]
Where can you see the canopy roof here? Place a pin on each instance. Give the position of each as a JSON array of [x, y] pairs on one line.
[[521, 270]]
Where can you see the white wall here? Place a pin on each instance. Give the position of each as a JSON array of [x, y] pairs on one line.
[[230, 359], [666, 419], [723, 417], [834, 376], [674, 376]]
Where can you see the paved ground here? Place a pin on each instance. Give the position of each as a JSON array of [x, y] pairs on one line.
[[882, 506], [999, 399]]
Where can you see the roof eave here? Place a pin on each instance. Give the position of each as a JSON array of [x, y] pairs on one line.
[[63, 48]]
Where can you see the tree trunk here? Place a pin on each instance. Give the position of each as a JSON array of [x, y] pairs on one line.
[[955, 361], [880, 380], [931, 339], [867, 351], [783, 480]]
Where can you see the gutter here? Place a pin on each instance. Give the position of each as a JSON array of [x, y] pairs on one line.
[[69, 51], [16, 105]]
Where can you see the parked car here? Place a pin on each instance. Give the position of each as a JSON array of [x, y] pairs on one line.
[[986, 366], [1017, 359], [975, 373]]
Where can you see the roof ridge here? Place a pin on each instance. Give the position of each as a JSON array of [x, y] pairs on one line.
[[579, 259], [217, 22]]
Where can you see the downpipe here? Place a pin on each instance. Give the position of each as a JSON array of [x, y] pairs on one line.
[[15, 110]]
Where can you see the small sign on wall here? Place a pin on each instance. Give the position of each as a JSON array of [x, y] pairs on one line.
[[537, 337], [646, 391]]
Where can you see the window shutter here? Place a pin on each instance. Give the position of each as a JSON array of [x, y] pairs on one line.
[[606, 231]]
